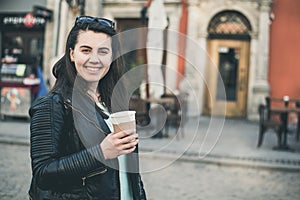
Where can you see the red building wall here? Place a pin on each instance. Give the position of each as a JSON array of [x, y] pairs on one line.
[[284, 68]]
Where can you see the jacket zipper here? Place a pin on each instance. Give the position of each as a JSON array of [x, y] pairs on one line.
[[91, 175]]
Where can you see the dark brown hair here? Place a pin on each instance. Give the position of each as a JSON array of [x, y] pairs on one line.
[[65, 72]]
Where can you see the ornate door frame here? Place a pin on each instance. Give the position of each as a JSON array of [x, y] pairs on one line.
[[228, 46]]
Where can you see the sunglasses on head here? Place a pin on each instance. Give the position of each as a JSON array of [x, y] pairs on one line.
[[89, 19]]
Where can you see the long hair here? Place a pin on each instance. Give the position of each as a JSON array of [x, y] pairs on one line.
[[65, 72]]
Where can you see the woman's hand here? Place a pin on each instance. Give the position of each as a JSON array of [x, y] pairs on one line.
[[116, 144]]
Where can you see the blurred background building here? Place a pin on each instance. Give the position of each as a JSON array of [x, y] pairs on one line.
[[249, 45]]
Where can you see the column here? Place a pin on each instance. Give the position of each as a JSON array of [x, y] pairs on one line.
[[261, 85]]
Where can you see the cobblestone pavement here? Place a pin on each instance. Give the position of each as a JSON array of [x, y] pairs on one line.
[[198, 181], [179, 180], [15, 172]]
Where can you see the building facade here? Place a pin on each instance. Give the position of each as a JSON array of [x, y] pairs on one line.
[[226, 48], [284, 49]]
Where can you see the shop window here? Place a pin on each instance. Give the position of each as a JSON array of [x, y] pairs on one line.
[[24, 48]]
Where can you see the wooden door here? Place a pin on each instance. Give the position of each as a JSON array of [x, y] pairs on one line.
[[227, 78]]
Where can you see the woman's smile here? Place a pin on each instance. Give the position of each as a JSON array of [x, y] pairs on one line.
[[93, 69]]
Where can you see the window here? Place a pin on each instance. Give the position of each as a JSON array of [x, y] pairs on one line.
[[229, 25]]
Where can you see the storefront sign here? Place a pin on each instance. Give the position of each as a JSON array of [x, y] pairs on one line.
[[26, 20]]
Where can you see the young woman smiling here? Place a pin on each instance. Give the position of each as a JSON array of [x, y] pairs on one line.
[[74, 149]]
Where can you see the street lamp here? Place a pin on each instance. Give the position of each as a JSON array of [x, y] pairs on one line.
[[77, 4]]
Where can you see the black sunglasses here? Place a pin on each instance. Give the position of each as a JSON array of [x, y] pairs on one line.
[[89, 19]]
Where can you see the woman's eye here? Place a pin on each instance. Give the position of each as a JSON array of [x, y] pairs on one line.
[[103, 51], [86, 50]]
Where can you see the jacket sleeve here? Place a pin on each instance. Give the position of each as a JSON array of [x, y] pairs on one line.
[[47, 128]]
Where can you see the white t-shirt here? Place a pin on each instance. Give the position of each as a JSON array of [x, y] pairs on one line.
[[126, 193]]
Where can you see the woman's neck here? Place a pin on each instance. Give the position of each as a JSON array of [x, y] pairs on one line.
[[93, 92]]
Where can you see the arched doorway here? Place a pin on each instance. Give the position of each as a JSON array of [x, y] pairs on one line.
[[228, 47]]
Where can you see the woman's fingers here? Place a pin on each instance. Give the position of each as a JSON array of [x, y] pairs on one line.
[[124, 137], [124, 133], [126, 142], [123, 142], [127, 151], [129, 138]]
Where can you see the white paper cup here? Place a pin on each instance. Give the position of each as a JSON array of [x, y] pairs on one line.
[[124, 120], [286, 98]]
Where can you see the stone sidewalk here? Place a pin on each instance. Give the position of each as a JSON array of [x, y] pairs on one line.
[[211, 140], [224, 141]]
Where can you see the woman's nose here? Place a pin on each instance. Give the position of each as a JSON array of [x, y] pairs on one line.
[[94, 57]]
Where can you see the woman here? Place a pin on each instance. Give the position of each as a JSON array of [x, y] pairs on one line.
[[74, 151]]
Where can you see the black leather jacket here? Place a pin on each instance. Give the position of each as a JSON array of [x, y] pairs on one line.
[[63, 167]]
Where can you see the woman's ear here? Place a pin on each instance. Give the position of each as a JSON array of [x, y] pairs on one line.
[[71, 55]]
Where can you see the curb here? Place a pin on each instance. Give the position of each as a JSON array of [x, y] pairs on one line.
[[14, 140], [220, 160]]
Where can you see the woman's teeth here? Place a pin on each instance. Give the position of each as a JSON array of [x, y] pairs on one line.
[[93, 68]]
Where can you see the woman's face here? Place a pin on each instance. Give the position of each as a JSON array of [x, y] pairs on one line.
[[92, 55]]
